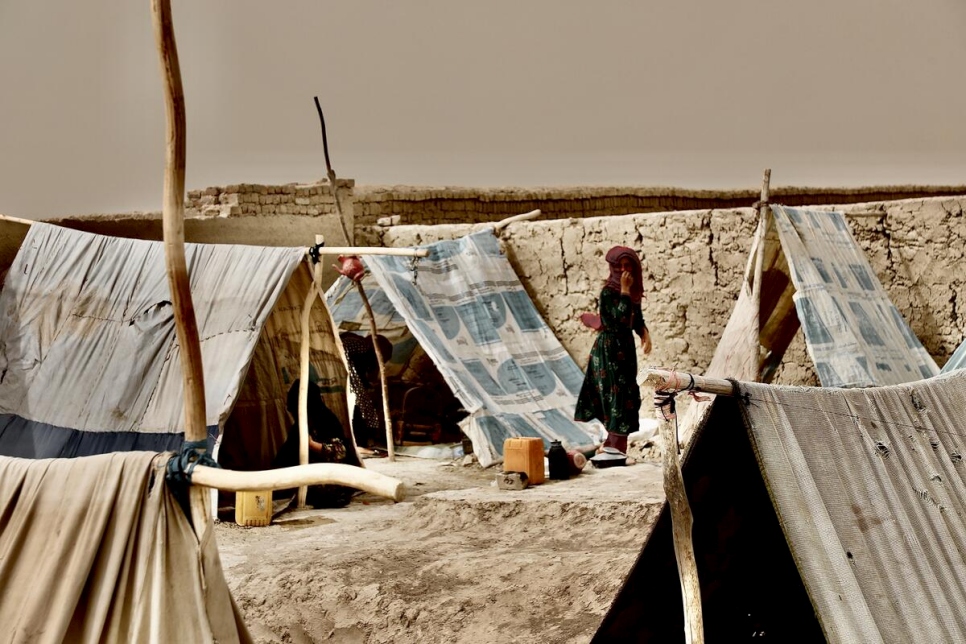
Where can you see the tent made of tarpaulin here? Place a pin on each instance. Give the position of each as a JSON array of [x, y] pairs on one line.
[[466, 307], [819, 515], [815, 275], [804, 265], [854, 334], [97, 549], [90, 358]]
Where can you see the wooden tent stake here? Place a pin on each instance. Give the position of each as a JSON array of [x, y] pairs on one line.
[[174, 253]]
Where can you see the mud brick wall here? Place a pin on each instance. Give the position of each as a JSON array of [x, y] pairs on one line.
[[693, 263], [408, 205]]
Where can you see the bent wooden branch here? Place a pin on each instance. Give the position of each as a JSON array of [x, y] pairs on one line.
[[172, 214], [503, 223], [299, 476]]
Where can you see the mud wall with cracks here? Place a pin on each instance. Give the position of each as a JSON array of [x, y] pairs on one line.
[[694, 260]]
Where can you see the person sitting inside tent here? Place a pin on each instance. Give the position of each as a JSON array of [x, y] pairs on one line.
[[326, 445], [368, 424]]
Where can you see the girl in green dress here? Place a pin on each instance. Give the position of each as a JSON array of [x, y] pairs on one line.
[[610, 392]]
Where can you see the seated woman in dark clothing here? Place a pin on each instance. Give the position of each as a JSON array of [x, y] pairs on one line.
[[326, 445]]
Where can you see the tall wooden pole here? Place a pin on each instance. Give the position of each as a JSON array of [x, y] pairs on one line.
[[174, 254], [763, 212]]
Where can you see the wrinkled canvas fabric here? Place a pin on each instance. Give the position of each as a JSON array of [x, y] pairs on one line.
[[96, 549], [88, 350]]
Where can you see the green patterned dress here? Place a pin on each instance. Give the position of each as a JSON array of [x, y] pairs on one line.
[[610, 392]]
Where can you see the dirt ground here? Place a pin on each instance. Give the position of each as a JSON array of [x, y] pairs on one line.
[[458, 561]]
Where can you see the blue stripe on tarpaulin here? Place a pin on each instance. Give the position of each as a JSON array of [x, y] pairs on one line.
[[22, 438]]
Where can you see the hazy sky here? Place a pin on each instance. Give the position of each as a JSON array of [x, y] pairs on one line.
[[695, 93]]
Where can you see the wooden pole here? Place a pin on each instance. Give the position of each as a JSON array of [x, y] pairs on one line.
[[16, 220], [682, 520], [681, 523], [373, 331], [304, 351], [372, 250], [503, 223], [763, 213], [174, 253], [674, 381], [300, 475], [330, 173]]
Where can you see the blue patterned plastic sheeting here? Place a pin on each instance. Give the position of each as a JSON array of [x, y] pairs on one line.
[[472, 316], [854, 334], [957, 360]]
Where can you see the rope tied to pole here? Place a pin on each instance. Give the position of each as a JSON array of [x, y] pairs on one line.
[[414, 267], [180, 467]]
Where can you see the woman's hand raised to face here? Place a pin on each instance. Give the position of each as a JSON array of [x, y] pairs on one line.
[[626, 281]]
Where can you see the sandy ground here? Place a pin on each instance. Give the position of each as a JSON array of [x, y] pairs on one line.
[[458, 561]]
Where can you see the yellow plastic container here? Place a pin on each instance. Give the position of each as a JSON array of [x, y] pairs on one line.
[[253, 508], [524, 454]]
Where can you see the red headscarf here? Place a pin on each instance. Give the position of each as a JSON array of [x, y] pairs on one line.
[[614, 257]]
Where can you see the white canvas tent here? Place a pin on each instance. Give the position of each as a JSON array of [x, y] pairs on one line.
[[468, 310], [91, 363]]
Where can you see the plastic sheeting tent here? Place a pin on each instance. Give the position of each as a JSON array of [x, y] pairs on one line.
[[855, 335], [819, 515], [468, 310], [90, 359]]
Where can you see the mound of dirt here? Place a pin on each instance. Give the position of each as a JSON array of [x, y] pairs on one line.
[[458, 561]]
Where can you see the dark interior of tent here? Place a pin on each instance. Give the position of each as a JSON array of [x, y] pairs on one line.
[[751, 590]]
